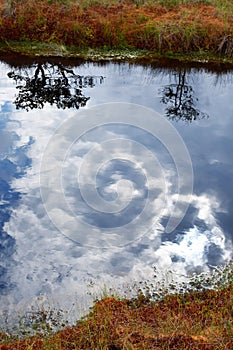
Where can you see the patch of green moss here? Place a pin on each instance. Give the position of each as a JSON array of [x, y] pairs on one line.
[[35, 49]]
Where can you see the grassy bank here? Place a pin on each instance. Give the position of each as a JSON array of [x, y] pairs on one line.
[[200, 318], [194, 29]]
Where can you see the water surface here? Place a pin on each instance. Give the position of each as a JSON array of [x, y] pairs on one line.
[[36, 98]]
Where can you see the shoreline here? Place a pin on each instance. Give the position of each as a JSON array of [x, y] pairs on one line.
[[188, 31], [44, 51]]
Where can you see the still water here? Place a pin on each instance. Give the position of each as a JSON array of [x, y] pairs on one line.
[[56, 245]]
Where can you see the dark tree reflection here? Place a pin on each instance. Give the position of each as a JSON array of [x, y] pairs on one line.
[[180, 100], [51, 83]]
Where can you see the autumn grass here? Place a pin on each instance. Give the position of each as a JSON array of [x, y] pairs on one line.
[[201, 318], [183, 27]]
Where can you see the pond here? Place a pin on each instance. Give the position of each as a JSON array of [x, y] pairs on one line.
[[109, 170]]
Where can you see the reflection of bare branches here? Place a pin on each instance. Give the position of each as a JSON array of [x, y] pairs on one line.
[[179, 100], [53, 84]]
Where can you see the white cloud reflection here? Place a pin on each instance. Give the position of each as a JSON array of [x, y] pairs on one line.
[[49, 263]]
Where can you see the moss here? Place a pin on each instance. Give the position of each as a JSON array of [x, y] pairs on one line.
[[35, 49]]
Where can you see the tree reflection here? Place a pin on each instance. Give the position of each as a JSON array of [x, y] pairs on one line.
[[180, 100], [51, 83]]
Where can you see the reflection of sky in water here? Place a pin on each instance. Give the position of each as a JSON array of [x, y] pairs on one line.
[[37, 259], [13, 165]]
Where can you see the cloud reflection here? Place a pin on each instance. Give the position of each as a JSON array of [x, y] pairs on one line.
[[46, 262]]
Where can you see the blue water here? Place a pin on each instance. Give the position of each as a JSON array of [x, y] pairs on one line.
[[39, 258]]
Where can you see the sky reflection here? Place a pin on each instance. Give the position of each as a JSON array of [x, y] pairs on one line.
[[36, 259]]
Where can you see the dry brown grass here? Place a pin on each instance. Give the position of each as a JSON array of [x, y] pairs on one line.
[[198, 320], [190, 26]]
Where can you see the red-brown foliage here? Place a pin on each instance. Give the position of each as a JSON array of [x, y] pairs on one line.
[[119, 25]]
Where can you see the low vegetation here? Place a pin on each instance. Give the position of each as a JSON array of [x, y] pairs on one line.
[[165, 27], [199, 316]]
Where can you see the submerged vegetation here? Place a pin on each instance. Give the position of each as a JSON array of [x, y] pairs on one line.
[[195, 315], [194, 28]]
